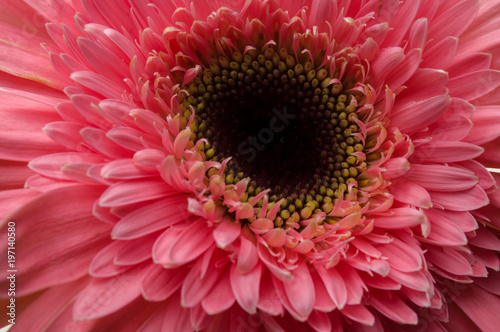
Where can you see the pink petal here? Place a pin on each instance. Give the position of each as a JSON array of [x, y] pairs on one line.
[[128, 192], [452, 127], [359, 313], [387, 60], [135, 251], [226, 232], [366, 247], [442, 178], [449, 260], [444, 231], [98, 140], [486, 127], [424, 84], [269, 300], [176, 318], [415, 116], [57, 236], [469, 63], [40, 315], [401, 256], [400, 218], [300, 290], [271, 263], [481, 306], [12, 199], [322, 300], [190, 244], [125, 169], [414, 280], [151, 218], [440, 54], [491, 283], [26, 146], [392, 307], [463, 220], [467, 200], [50, 165], [13, 174], [98, 84], [220, 298], [379, 282], [160, 283], [474, 85], [275, 237], [396, 167], [120, 291], [334, 284], [411, 193], [320, 321], [102, 265], [195, 288], [485, 239], [405, 69], [445, 152], [248, 256], [246, 287], [133, 139], [463, 12]]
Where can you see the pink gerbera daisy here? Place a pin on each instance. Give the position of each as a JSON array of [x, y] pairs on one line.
[[278, 165]]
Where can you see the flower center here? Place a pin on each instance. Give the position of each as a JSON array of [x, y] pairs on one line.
[[286, 125]]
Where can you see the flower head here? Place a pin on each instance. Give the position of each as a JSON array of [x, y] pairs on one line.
[[252, 165]]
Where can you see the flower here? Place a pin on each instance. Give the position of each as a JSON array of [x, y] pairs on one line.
[[251, 165]]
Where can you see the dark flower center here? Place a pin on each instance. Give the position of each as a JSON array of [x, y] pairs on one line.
[[284, 123]]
